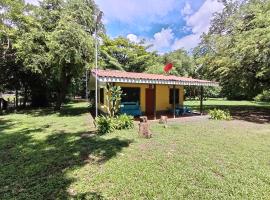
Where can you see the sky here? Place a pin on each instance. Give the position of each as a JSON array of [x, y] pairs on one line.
[[167, 25]]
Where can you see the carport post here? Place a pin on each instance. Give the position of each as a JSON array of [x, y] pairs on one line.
[[201, 103], [174, 101]]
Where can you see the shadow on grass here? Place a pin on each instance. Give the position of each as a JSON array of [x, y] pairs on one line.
[[255, 114], [68, 110], [37, 169], [5, 124]]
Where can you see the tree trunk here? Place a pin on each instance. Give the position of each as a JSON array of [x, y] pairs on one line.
[[61, 94], [60, 98]]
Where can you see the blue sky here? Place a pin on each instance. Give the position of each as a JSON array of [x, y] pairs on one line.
[[165, 24]]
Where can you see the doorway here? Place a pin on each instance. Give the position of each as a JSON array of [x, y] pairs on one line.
[[149, 101]]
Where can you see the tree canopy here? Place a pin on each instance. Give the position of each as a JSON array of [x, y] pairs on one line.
[[53, 41], [236, 49], [122, 54]]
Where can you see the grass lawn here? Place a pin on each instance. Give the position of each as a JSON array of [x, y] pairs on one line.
[[47, 155]]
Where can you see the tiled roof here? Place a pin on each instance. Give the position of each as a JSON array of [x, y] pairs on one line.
[[144, 76]]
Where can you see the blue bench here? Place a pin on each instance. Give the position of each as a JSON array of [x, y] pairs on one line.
[[181, 110], [130, 108]]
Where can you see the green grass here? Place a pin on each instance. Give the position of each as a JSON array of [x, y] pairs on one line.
[[47, 155]]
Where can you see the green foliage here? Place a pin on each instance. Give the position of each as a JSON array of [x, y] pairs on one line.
[[212, 92], [194, 92], [121, 54], [113, 99], [235, 51], [218, 114], [184, 64], [105, 124], [264, 96], [108, 124], [52, 41], [124, 122]]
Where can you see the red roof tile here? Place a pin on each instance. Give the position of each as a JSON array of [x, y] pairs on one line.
[[135, 75]]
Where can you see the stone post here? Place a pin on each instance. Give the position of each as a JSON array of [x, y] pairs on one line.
[[144, 128]]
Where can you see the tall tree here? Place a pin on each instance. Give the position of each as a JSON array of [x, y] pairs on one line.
[[59, 44], [237, 54], [15, 17]]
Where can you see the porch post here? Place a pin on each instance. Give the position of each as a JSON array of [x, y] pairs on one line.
[[201, 103], [174, 101], [155, 104]]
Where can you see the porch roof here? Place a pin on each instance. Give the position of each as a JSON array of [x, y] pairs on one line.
[[133, 77]]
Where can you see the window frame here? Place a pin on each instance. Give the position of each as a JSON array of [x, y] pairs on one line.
[[139, 95], [177, 96]]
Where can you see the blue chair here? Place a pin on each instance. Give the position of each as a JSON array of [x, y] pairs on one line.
[[130, 108], [181, 110]]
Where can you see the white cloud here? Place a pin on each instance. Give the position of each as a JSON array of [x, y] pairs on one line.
[[198, 22], [133, 38], [162, 40], [188, 42], [187, 10], [34, 2], [130, 10]]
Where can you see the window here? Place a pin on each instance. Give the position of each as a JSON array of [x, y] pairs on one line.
[[101, 95], [176, 96], [130, 94]]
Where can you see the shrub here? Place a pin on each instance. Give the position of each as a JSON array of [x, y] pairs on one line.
[[218, 114], [264, 96], [124, 122], [105, 124]]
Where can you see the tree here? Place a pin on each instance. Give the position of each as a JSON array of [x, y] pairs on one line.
[[238, 54], [121, 54], [184, 64], [15, 18], [59, 44]]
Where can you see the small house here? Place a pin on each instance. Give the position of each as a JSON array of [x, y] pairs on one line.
[[153, 93]]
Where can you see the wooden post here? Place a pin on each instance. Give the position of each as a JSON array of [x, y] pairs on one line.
[[174, 101], [201, 103], [155, 106]]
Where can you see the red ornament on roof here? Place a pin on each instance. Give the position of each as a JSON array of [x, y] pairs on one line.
[[168, 67]]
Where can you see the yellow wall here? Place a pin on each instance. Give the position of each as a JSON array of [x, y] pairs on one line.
[[100, 105], [162, 95]]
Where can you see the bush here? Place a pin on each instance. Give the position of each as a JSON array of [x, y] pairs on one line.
[[218, 114], [107, 124], [124, 122], [264, 96]]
